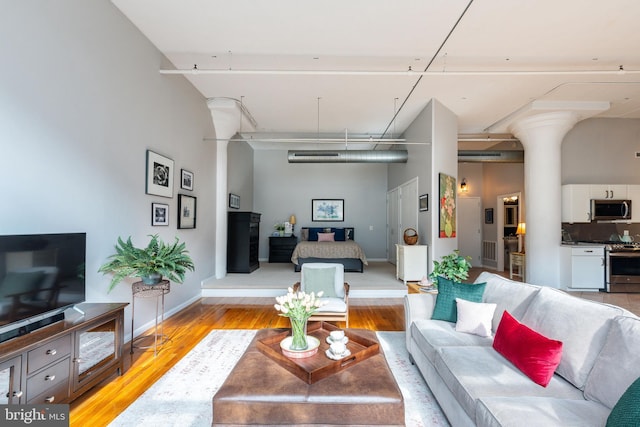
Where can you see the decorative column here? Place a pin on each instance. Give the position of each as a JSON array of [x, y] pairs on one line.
[[541, 126], [227, 116], [542, 135]]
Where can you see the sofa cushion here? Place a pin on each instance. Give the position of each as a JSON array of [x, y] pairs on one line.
[[539, 412], [507, 294], [431, 335], [627, 411], [474, 317], [534, 354], [581, 325], [448, 291], [473, 372], [617, 364]]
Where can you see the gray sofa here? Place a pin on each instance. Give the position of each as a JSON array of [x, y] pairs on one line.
[[475, 385]]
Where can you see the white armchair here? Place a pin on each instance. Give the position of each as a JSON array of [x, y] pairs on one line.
[[329, 278]]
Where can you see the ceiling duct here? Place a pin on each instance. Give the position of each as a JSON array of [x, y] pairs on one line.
[[480, 156], [348, 156]]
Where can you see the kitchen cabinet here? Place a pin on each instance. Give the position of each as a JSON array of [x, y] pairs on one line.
[[633, 194], [583, 267], [606, 191], [411, 262], [576, 203], [576, 199]]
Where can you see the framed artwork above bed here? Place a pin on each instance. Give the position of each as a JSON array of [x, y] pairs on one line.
[[327, 210]]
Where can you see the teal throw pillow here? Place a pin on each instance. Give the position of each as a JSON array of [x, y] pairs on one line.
[[626, 413], [448, 291]]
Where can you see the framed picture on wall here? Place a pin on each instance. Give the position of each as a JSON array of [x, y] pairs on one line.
[[488, 216], [327, 210], [159, 214], [447, 206], [186, 211], [159, 179], [186, 180]]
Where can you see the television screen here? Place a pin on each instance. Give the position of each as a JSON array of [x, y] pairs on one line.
[[40, 275]]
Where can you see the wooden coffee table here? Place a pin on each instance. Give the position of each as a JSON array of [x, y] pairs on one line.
[[259, 390]]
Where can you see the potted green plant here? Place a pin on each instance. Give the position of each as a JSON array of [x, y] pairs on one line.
[[453, 267], [158, 259]]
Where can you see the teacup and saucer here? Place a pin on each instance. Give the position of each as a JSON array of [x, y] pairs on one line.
[[337, 350], [337, 336]]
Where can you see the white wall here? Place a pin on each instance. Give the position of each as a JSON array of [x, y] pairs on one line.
[[282, 189], [444, 160], [602, 151], [240, 173], [81, 102]]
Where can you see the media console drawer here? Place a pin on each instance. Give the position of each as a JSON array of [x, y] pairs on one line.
[[48, 378], [48, 353]]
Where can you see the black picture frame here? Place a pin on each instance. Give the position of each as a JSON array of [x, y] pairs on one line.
[[159, 214], [186, 211], [327, 210], [488, 216], [159, 175], [186, 180], [423, 203], [234, 201]]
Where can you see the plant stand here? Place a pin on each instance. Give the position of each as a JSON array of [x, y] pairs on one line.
[[140, 290]]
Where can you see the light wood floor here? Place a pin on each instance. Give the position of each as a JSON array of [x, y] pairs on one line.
[[103, 403]]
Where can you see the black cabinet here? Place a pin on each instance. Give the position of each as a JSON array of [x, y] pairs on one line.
[[281, 248], [243, 236]]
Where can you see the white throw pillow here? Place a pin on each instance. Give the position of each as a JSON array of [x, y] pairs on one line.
[[474, 317]]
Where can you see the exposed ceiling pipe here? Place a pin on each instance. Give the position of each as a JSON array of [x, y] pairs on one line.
[[482, 156], [407, 73], [347, 156]]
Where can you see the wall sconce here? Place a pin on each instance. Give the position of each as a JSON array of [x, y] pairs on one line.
[[463, 185]]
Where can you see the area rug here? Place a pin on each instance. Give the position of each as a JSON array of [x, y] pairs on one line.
[[182, 397]]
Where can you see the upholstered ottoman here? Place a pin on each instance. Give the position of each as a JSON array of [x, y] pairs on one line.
[[260, 391]]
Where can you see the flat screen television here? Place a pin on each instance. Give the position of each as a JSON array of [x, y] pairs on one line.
[[41, 275]]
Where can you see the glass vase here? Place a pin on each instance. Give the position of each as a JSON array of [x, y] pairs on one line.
[[299, 334]]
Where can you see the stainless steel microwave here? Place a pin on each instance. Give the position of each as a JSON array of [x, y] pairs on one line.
[[607, 209]]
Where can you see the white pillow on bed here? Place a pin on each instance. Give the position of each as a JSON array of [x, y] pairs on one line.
[[326, 237]]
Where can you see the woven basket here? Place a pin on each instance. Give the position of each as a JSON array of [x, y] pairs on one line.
[[410, 236]]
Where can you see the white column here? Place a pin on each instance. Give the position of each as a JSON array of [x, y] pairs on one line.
[[542, 135], [227, 115]]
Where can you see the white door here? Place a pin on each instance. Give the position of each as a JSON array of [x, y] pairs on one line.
[[470, 229], [408, 207], [402, 213]]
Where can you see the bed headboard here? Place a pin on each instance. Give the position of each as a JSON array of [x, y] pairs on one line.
[[341, 233]]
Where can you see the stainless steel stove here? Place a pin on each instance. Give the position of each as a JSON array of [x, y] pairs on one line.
[[622, 267]]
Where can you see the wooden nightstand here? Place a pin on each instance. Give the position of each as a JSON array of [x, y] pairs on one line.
[[281, 248]]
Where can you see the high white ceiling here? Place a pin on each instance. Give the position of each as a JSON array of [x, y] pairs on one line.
[[441, 36]]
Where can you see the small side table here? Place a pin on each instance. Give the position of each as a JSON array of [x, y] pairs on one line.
[[141, 290], [517, 259]]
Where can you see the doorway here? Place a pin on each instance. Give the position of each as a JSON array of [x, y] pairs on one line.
[[509, 207]]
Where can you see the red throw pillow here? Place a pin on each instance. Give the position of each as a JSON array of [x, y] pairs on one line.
[[534, 354]]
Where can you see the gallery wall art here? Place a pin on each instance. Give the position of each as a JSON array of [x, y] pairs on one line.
[[447, 206]]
